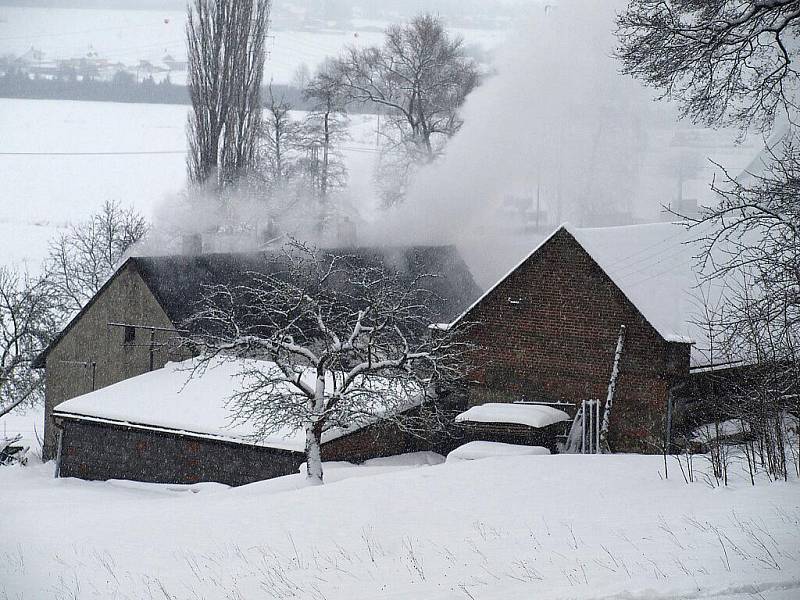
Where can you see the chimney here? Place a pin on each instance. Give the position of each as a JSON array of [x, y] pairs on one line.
[[269, 232], [346, 234], [192, 244]]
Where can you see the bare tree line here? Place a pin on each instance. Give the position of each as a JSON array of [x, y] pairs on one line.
[[733, 63], [33, 308], [418, 79]]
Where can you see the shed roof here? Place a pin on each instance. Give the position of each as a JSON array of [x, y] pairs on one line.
[[531, 415], [194, 403]]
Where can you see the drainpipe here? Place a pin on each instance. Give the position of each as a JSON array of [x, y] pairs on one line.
[[57, 473]]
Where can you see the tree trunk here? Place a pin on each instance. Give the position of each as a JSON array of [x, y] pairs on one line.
[[314, 453], [314, 431]]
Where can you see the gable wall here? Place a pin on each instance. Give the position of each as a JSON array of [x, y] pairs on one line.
[[90, 339], [549, 331]]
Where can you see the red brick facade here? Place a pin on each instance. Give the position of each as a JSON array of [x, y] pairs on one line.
[[549, 330]]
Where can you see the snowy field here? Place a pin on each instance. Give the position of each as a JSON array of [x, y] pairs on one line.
[[515, 527], [51, 177], [57, 188]]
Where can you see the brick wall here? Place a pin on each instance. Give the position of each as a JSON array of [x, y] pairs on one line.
[[381, 439], [549, 330], [101, 451]]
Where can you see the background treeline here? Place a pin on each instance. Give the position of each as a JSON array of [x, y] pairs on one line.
[[122, 88]]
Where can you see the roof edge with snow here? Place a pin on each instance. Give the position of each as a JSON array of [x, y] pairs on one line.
[[568, 228]]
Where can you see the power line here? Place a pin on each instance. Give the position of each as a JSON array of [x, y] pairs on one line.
[[117, 153], [146, 152]]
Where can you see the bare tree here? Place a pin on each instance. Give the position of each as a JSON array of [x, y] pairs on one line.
[[325, 129], [280, 139], [727, 62], [735, 63], [338, 342], [80, 260], [27, 324], [418, 79], [226, 54]]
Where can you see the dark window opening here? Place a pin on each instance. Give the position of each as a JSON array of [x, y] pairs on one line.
[[130, 334]]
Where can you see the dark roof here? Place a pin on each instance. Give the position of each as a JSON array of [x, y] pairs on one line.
[[179, 282]]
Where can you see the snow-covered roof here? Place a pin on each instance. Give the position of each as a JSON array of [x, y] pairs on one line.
[[653, 265], [532, 415], [172, 399]]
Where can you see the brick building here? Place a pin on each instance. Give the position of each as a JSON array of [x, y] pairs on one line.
[[547, 331]]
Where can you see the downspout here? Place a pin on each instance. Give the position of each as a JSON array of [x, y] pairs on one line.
[[59, 447]]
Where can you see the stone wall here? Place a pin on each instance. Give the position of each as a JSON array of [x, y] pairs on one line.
[[100, 451], [548, 332], [92, 354]]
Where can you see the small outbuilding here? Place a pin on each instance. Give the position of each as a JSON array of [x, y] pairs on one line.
[[525, 424]]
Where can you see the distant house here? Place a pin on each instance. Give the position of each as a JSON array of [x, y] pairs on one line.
[[173, 64], [547, 330], [130, 326]]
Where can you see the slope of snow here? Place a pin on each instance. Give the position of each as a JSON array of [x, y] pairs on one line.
[[523, 414], [477, 450], [68, 188], [506, 528]]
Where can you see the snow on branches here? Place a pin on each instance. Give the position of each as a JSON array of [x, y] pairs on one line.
[[341, 341]]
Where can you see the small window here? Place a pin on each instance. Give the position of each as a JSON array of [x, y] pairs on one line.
[[130, 334]]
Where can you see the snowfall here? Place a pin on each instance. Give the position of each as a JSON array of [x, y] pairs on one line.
[[507, 526]]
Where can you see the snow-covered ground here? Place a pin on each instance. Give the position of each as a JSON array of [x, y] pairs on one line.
[[43, 192], [58, 188], [514, 527]]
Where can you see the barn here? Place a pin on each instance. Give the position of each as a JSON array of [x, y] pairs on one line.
[[547, 331], [131, 326]]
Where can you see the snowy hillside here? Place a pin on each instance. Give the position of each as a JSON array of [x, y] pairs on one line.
[[60, 165], [498, 528]]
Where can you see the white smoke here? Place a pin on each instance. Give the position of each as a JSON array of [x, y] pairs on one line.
[[558, 128]]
